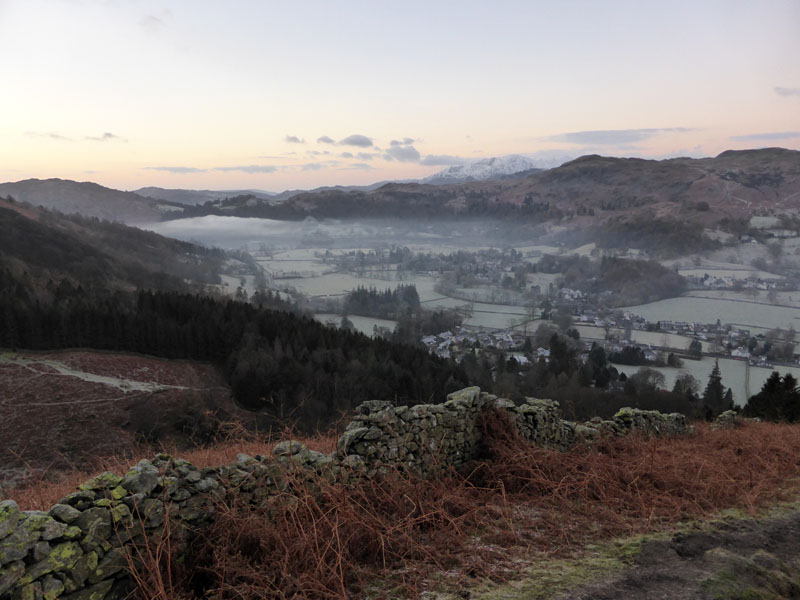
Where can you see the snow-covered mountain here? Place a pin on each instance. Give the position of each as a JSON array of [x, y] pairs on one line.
[[485, 168]]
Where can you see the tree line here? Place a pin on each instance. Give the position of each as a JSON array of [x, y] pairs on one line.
[[277, 361]]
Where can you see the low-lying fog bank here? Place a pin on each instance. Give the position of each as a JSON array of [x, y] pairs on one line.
[[237, 232]]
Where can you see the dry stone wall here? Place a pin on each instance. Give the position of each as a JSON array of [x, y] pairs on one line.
[[77, 550]]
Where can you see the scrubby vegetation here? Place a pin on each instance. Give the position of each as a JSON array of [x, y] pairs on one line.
[[397, 535]]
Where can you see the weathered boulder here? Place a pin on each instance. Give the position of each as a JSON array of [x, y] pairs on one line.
[[729, 419]]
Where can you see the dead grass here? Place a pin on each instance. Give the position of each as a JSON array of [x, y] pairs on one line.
[[46, 489], [398, 535], [629, 485]]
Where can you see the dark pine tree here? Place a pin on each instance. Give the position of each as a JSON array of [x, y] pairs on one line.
[[714, 395]]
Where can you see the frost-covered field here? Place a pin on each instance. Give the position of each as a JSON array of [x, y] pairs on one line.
[[791, 299], [708, 310], [738, 274], [652, 338], [734, 375]]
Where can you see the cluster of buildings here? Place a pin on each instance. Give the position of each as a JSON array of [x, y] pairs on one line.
[[452, 344]]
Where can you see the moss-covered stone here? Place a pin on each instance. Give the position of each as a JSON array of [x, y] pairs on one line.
[[61, 558], [141, 479], [95, 522], [9, 517], [111, 564], [16, 546], [10, 574], [95, 592], [64, 513], [350, 438], [72, 533], [118, 493], [80, 500], [52, 588], [103, 481], [120, 514], [79, 573], [29, 591]]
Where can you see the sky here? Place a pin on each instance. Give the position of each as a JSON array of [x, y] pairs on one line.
[[248, 94]]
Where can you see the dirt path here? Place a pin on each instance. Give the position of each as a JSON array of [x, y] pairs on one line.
[[758, 559], [39, 367]]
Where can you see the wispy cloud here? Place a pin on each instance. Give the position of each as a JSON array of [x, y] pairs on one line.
[[784, 91], [613, 137], [293, 139], [106, 137], [180, 170], [404, 142], [346, 155], [356, 140], [317, 166], [367, 155], [325, 140], [773, 135], [249, 168], [51, 135], [226, 169], [442, 160], [357, 167]]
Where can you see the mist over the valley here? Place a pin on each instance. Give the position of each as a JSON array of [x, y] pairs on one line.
[[241, 233]]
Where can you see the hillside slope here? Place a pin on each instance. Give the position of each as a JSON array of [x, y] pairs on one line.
[[49, 246], [114, 403], [88, 199], [193, 197]]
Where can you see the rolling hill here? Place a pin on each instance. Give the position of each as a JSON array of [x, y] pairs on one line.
[[88, 199], [51, 246], [192, 197]]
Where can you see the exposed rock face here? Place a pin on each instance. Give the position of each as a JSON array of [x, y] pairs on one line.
[[77, 549]]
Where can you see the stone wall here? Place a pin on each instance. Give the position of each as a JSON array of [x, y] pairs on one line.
[[77, 550]]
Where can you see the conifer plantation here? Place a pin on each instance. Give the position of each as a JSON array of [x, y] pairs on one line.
[[277, 361]]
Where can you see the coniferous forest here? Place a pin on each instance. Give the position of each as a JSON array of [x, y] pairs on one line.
[[276, 361]]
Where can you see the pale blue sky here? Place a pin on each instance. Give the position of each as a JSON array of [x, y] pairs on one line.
[[237, 94]]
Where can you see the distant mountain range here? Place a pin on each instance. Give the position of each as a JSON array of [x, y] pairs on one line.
[[733, 185], [483, 169], [149, 204]]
